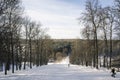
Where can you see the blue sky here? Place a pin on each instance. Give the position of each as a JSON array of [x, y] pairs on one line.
[[59, 16]]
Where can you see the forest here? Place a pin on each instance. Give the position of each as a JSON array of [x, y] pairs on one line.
[[22, 40], [25, 43]]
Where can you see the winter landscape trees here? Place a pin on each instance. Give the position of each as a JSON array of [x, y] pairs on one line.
[[100, 28], [24, 42], [21, 39]]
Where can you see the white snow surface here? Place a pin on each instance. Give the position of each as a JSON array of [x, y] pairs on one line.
[[60, 72]]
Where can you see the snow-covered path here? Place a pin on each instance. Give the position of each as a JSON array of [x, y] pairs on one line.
[[60, 72]]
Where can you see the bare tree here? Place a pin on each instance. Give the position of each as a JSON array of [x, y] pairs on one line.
[[30, 38], [104, 28], [26, 23], [16, 47], [10, 14], [91, 18], [87, 34], [111, 21]]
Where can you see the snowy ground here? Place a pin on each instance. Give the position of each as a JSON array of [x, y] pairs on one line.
[[60, 72]]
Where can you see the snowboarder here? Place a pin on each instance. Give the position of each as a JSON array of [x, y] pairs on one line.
[[113, 72]]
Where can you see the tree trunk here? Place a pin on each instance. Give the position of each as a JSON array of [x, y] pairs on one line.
[[110, 45], [12, 52], [30, 44], [24, 67]]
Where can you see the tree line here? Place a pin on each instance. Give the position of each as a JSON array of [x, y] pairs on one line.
[[101, 34], [23, 42]]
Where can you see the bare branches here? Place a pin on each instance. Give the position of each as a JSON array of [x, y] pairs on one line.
[[99, 21], [18, 36]]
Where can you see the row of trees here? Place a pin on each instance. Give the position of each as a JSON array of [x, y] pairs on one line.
[[22, 41], [101, 24]]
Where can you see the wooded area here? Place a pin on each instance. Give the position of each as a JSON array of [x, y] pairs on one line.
[[101, 25], [25, 43]]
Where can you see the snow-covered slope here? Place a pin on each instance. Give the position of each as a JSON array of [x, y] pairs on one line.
[[60, 72]]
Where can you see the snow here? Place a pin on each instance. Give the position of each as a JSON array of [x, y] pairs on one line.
[[60, 71], [63, 61]]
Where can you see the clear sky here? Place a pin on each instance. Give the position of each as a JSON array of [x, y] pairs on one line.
[[59, 16]]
